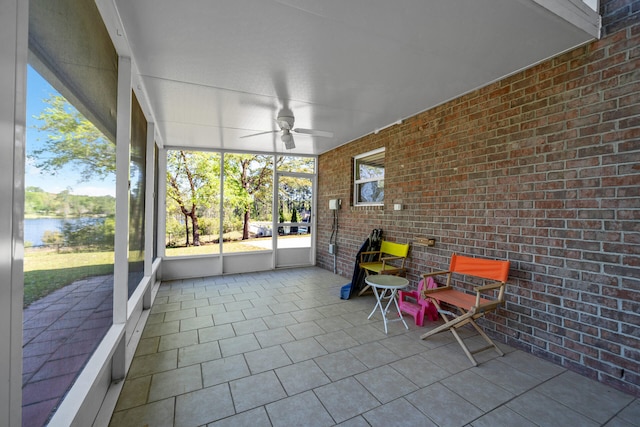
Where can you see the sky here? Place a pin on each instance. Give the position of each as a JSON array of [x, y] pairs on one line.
[[37, 90]]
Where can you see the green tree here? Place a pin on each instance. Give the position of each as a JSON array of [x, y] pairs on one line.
[[246, 177], [52, 238], [193, 182], [72, 140]]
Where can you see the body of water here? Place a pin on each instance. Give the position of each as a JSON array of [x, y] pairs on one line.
[[34, 228]]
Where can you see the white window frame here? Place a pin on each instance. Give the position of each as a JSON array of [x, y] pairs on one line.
[[357, 182]]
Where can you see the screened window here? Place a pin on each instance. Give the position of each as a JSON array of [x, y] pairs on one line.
[[368, 179]]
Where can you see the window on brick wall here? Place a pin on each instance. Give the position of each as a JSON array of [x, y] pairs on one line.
[[368, 178]]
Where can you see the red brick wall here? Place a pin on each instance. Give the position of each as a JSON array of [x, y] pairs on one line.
[[542, 169]]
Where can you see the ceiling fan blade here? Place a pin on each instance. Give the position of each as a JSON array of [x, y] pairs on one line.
[[312, 132], [260, 133]]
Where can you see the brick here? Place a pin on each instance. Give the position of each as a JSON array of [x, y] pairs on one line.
[[547, 176]]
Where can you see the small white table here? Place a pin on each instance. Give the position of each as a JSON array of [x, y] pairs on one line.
[[385, 287]]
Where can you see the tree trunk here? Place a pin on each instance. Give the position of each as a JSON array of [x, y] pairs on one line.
[[186, 229], [245, 226], [194, 227]]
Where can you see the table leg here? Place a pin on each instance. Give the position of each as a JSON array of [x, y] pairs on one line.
[[378, 302], [380, 295], [392, 297]]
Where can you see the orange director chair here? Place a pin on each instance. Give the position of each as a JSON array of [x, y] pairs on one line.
[[470, 307]]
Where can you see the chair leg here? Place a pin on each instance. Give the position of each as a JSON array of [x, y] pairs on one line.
[[366, 287], [449, 323], [464, 347], [363, 290], [453, 324], [487, 339], [420, 318]]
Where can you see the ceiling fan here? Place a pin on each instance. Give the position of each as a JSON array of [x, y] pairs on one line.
[[285, 123]]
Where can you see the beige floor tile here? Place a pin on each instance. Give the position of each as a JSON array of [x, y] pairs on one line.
[[501, 374], [157, 414], [237, 345], [301, 377], [216, 333], [398, 413], [203, 406], [257, 312], [336, 341], [254, 418], [181, 339], [228, 317], [443, 406], [153, 363], [256, 390], [134, 393], [160, 329], [279, 320], [385, 383], [224, 370], [196, 323], [266, 359], [477, 390], [175, 382], [290, 349], [546, 412], [249, 326], [340, 365], [147, 346], [180, 314], [345, 399], [304, 349], [502, 416], [273, 337], [305, 330], [300, 410], [198, 353], [374, 354], [590, 398], [419, 370]]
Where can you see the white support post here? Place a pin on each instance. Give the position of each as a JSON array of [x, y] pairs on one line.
[[121, 262], [150, 198], [221, 215], [162, 201], [14, 26], [149, 210]]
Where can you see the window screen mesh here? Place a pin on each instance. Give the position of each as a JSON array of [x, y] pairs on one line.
[[71, 48]]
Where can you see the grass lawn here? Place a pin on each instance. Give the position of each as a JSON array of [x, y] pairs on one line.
[[45, 271], [214, 248]]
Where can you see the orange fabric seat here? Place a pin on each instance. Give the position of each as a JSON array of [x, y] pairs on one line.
[[469, 306]]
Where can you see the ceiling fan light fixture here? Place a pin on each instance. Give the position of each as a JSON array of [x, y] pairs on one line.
[[287, 138]]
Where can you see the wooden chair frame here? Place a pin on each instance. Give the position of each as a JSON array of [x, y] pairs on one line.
[[470, 307], [389, 259]]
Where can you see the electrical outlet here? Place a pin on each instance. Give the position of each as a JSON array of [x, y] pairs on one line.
[[332, 248]]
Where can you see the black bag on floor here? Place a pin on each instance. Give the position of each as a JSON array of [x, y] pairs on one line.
[[371, 244]]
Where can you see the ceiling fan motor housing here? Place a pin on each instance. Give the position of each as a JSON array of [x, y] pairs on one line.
[[285, 122]]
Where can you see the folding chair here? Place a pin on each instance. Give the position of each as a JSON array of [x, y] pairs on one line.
[[388, 260], [470, 307]]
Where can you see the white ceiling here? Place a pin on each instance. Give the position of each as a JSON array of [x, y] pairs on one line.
[[212, 71]]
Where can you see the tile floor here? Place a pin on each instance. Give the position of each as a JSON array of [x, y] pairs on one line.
[[281, 349]]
